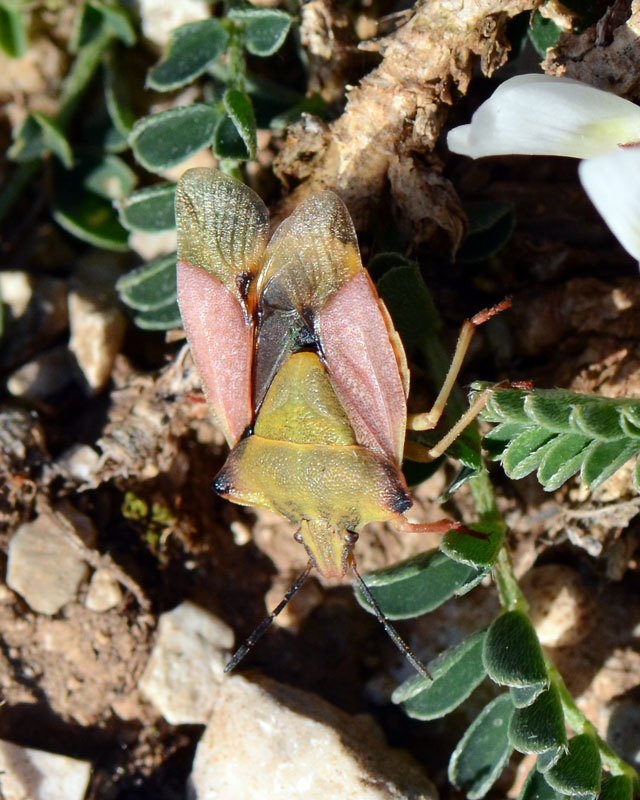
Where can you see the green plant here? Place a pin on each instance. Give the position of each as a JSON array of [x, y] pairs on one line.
[[532, 716], [85, 178]]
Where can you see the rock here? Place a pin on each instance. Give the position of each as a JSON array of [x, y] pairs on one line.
[[27, 774], [268, 741], [80, 463], [104, 591], [44, 564], [159, 17], [36, 315], [560, 605], [48, 374], [186, 664], [97, 331]]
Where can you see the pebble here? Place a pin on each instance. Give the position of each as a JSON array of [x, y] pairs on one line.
[[104, 591], [97, 332], [560, 604], [186, 664], [44, 565], [27, 774], [268, 741]]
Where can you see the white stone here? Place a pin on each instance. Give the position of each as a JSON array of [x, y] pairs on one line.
[[27, 774], [44, 564], [267, 741], [159, 17], [186, 664], [104, 591], [97, 332], [16, 291], [560, 605]]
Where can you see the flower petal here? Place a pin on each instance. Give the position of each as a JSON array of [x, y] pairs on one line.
[[543, 115], [612, 182]]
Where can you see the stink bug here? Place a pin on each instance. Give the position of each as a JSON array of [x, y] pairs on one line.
[[303, 369]]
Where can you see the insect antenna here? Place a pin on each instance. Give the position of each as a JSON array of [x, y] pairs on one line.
[[242, 651], [399, 642]]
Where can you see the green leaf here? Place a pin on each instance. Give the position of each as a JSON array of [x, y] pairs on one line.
[[579, 771], [539, 726], [37, 136], [616, 787], [549, 758], [512, 653], [604, 458], [265, 29], [562, 460], [499, 438], [456, 673], [108, 176], [97, 20], [117, 99], [163, 140], [160, 319], [191, 50], [240, 111], [468, 549], [524, 453], [491, 225], [536, 788], [13, 38], [418, 585], [117, 21], [544, 33], [150, 210], [227, 142], [551, 410], [407, 298], [598, 420], [151, 286], [507, 404], [81, 201], [481, 754], [90, 218]]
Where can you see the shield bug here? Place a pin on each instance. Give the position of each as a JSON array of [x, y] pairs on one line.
[[303, 370]]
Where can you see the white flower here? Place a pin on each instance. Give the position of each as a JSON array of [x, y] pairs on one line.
[[542, 115]]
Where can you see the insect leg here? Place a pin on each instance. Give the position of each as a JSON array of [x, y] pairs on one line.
[[429, 419], [242, 651]]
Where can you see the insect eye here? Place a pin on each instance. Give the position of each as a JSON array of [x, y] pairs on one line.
[[298, 537], [351, 538]]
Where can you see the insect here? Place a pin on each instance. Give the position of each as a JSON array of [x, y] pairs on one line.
[[303, 370]]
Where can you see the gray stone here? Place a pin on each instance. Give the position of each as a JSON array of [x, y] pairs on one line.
[[267, 741], [45, 565], [27, 774], [186, 665]]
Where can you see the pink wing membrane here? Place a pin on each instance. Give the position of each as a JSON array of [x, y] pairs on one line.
[[363, 366], [212, 315]]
